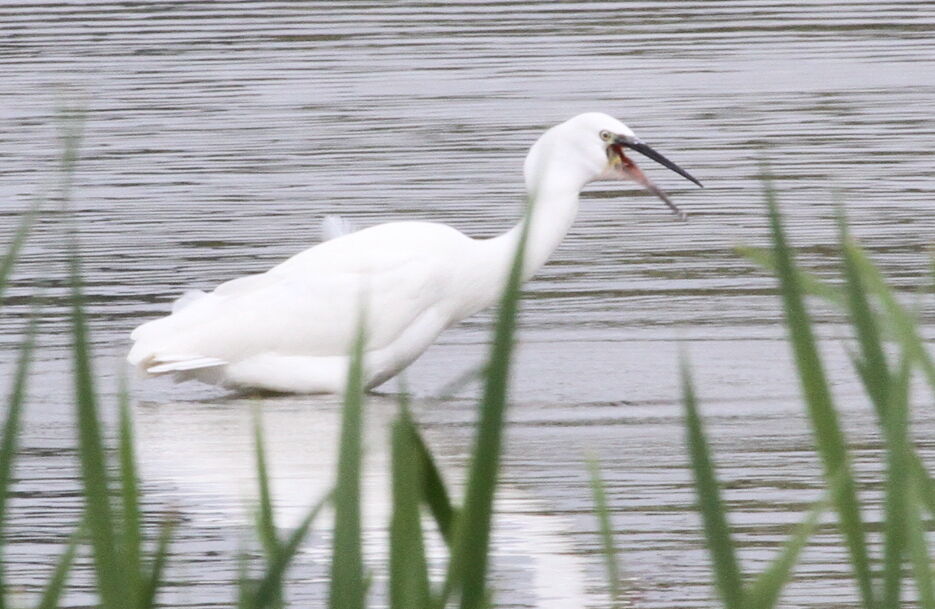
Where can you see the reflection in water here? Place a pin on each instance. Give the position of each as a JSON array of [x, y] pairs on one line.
[[204, 450], [218, 134]]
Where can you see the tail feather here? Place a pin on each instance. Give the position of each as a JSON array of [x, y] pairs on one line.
[[163, 364]]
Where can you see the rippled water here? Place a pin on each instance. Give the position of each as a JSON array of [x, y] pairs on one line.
[[218, 134]]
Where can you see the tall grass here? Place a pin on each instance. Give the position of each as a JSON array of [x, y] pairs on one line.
[[876, 318]]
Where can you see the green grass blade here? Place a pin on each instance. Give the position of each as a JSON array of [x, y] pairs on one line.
[[268, 591], [153, 580], [897, 491], [99, 513], [266, 525], [409, 578], [16, 245], [130, 496], [607, 533], [111, 575], [918, 551], [108, 566], [432, 488], [906, 475], [875, 373], [348, 588], [434, 492], [922, 480], [766, 589], [728, 576], [828, 435], [246, 591], [809, 283], [52, 593], [468, 566], [11, 431], [904, 323]]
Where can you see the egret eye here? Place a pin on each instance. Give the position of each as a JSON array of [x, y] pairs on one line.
[[606, 136]]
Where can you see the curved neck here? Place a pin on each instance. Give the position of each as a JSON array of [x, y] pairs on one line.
[[553, 205], [551, 211]]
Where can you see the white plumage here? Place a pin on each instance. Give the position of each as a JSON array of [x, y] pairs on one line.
[[290, 329]]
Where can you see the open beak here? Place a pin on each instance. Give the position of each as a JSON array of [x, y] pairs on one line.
[[621, 163]]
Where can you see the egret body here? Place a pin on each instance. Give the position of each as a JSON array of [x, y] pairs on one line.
[[290, 329]]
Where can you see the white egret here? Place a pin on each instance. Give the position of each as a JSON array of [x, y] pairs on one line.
[[290, 329]]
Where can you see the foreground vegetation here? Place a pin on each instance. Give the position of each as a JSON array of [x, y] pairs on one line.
[[888, 349], [129, 569]]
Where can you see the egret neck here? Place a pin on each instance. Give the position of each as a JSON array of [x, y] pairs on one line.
[[553, 182]]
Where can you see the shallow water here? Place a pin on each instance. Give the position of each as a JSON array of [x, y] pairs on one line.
[[219, 134]]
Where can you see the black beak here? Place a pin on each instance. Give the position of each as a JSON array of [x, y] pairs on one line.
[[644, 149]]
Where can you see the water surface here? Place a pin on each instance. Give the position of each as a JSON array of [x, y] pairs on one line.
[[218, 135]]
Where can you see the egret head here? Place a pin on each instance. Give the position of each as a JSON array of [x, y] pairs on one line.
[[595, 145]]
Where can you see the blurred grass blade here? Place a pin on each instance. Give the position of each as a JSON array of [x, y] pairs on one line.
[[889, 403], [409, 578], [150, 587], [130, 495], [11, 431], [99, 512], [906, 485], [246, 591], [828, 435], [52, 593], [16, 245], [607, 533], [922, 480], [266, 525], [268, 591], [810, 283], [467, 569], [434, 492], [897, 492], [109, 567], [918, 551], [347, 570], [727, 572], [875, 373], [432, 488], [766, 589], [904, 323]]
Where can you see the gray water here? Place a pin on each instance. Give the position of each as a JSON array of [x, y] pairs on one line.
[[218, 134]]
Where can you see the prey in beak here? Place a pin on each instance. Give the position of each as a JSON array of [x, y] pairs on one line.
[[624, 167]]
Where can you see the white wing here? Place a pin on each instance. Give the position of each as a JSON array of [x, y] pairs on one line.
[[309, 305]]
